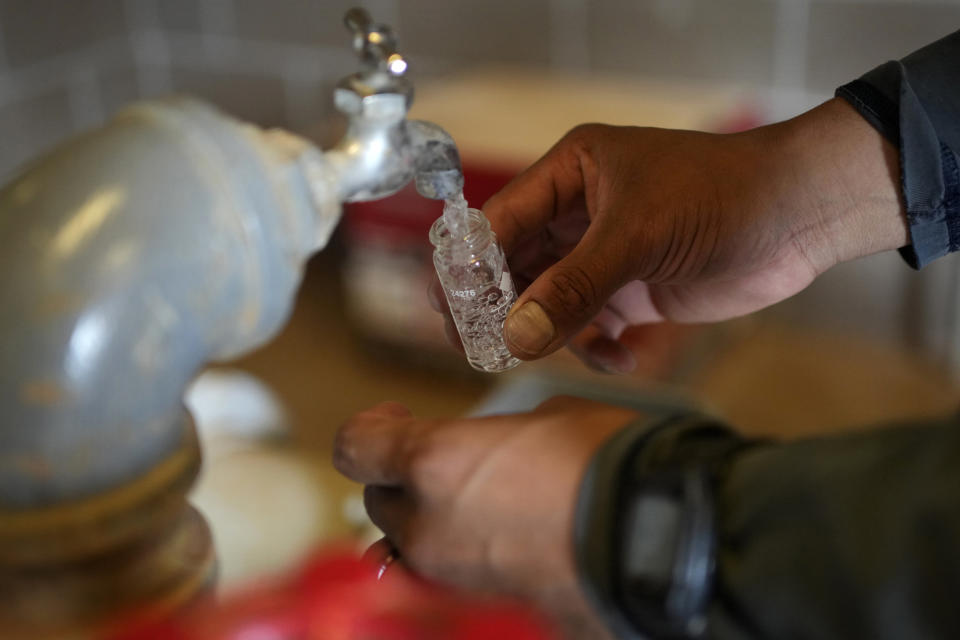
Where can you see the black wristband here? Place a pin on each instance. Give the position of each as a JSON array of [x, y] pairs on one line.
[[645, 527]]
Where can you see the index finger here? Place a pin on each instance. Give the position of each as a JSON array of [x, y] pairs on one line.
[[532, 199]]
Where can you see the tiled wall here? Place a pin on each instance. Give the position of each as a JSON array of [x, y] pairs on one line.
[[65, 65]]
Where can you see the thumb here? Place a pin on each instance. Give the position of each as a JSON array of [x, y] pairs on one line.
[[561, 302]]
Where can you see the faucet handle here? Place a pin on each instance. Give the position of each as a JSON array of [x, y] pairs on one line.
[[374, 43], [357, 20]]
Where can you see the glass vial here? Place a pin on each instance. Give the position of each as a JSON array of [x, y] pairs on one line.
[[478, 287]]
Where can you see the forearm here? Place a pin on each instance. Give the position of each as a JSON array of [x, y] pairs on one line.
[[878, 163], [850, 177]]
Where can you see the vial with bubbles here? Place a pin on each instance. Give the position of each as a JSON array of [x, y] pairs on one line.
[[477, 283]]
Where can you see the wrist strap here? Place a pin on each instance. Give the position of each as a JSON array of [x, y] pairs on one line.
[[645, 529]]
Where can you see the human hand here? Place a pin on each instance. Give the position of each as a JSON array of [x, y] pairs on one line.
[[620, 226], [485, 504]]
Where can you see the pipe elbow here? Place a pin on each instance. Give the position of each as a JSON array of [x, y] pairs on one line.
[[132, 256]]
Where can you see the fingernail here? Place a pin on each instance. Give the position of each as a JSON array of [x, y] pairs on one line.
[[529, 329]]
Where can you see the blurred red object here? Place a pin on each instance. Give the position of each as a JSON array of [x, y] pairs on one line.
[[337, 596]]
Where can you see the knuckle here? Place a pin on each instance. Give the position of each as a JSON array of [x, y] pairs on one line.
[[584, 138], [584, 132], [574, 291], [426, 463]]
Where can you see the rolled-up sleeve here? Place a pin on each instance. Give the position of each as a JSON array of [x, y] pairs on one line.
[[915, 103]]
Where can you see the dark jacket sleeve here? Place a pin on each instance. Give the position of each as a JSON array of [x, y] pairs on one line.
[[846, 537], [840, 538], [915, 103]]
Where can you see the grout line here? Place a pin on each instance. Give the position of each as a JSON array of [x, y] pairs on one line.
[[151, 52], [258, 56], [217, 16], [568, 37], [84, 98], [790, 43], [217, 19], [152, 62], [5, 86], [790, 48], [673, 14], [155, 52], [929, 3], [141, 14], [298, 104], [40, 77], [3, 51]]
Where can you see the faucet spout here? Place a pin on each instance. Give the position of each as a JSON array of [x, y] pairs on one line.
[[439, 175], [379, 156], [382, 150]]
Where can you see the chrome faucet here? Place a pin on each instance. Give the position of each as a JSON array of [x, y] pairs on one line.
[[382, 150], [131, 256]]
